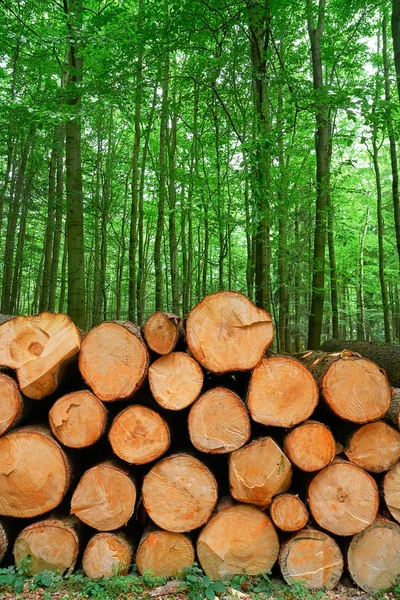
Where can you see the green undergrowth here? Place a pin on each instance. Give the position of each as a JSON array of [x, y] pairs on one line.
[[193, 585]]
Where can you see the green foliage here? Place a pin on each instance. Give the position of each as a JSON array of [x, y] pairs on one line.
[[200, 586]]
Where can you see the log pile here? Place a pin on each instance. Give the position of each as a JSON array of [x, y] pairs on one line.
[[192, 441]]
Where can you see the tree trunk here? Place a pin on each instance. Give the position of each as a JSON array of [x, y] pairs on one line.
[[173, 242], [175, 380], [164, 553], [107, 555], [310, 446], [396, 39], [361, 329]]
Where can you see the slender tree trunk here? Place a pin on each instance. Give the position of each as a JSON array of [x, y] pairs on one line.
[[63, 273], [282, 221], [332, 269], [97, 297], [361, 329], [121, 254], [173, 243], [58, 225], [396, 39]]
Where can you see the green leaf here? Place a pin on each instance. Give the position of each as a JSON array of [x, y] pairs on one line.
[[219, 587], [210, 593]]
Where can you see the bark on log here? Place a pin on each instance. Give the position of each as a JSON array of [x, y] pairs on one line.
[[375, 447], [78, 419], [374, 558], [218, 422], [310, 446], [179, 493], [393, 414], [3, 542], [391, 491], [226, 332], [175, 380], [313, 559], [114, 360], [34, 473], [104, 498], [288, 512], [239, 539], [354, 388], [343, 498], [52, 545], [164, 553], [282, 392], [384, 355], [258, 472], [161, 332], [107, 554], [139, 435], [11, 404], [38, 348]]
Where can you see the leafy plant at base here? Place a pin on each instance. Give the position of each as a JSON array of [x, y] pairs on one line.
[[16, 576], [200, 586]]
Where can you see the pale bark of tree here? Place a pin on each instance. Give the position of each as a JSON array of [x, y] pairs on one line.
[[361, 328], [396, 39], [173, 242]]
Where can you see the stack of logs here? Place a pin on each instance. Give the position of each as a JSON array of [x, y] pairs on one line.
[[185, 440]]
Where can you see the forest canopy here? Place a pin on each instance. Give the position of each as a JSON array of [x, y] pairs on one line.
[[154, 151]]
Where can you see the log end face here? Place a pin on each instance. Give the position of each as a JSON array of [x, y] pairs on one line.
[[374, 447], [106, 555], [78, 419], [164, 554], [161, 333], [175, 380], [10, 404], [310, 446]]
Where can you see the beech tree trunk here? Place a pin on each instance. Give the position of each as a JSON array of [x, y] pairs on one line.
[[107, 555], [175, 380], [164, 553]]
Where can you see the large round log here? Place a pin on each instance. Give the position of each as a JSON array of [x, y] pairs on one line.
[[107, 554], [258, 472], [161, 332], [391, 491], [310, 446], [385, 356], [179, 493], [11, 403], [343, 498], [373, 556], [226, 332], [164, 553], [375, 447], [218, 422], [354, 388], [237, 540], [113, 360], [175, 380], [3, 541], [34, 473], [78, 419], [139, 435], [288, 512], [38, 347], [313, 559], [50, 545], [104, 498], [282, 392]]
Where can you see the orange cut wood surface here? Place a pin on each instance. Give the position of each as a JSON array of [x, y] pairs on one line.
[[107, 555], [258, 472], [238, 540], [218, 422], [78, 419], [114, 360], [226, 332], [288, 512], [11, 404], [391, 491], [164, 553], [374, 447], [310, 446], [139, 435], [161, 332], [38, 348], [282, 392], [179, 493], [175, 380]]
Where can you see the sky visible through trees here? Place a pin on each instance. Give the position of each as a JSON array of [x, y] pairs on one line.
[[154, 151]]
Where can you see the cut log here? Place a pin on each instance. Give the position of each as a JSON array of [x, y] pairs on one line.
[[107, 554], [393, 414], [226, 332], [282, 392], [38, 348], [34, 473], [78, 420], [11, 403], [343, 498], [3, 542], [161, 332], [375, 447], [313, 559], [164, 553], [179, 493], [114, 360], [385, 356], [354, 388], [51, 545], [310, 446], [175, 380], [391, 491], [288, 512], [374, 556], [104, 498], [237, 540], [139, 435], [258, 472], [218, 422]]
